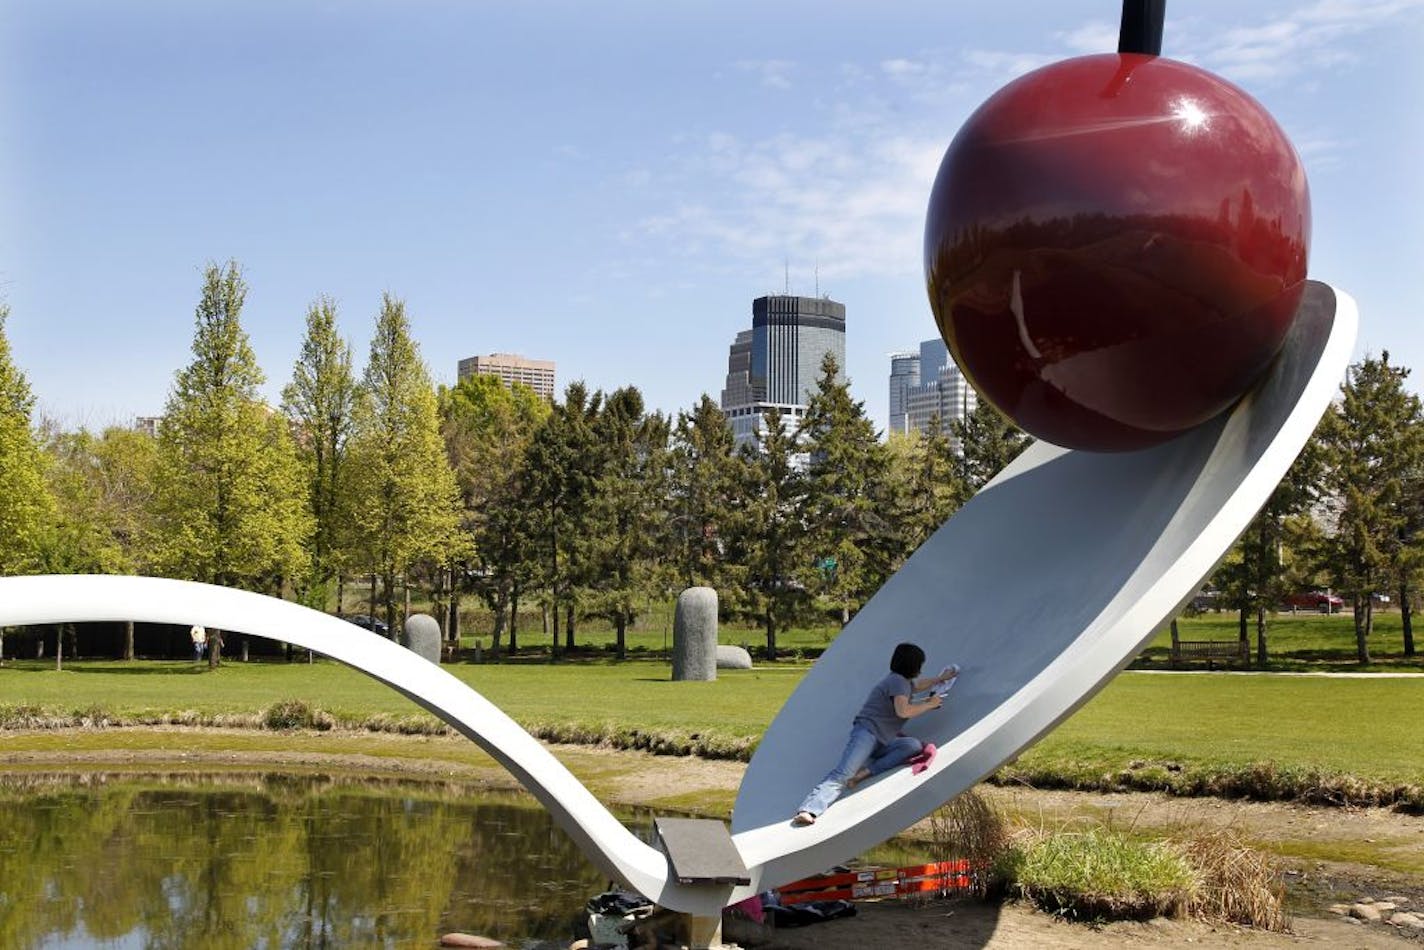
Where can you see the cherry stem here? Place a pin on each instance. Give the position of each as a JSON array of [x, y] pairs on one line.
[[1141, 30]]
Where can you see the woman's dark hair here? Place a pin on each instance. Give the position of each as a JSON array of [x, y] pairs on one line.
[[907, 660]]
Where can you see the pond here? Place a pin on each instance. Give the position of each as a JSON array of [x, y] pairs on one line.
[[246, 860]]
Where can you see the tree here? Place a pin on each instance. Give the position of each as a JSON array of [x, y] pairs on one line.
[[847, 490], [987, 442], [700, 493], [563, 467], [26, 508], [404, 497], [1408, 553], [319, 402], [1373, 441], [768, 530], [228, 501], [924, 480], [1256, 576], [487, 428], [626, 502]]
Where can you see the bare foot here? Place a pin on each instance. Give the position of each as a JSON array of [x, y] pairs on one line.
[[857, 778], [804, 818]]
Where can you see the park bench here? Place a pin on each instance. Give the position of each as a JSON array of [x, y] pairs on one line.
[[1209, 650]]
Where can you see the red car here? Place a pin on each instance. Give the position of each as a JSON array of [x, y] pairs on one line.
[[1321, 600]]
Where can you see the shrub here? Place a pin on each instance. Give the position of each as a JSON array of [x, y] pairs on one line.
[[295, 714], [970, 828], [1235, 882], [1097, 874]]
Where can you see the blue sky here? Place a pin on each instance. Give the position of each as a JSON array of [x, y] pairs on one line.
[[605, 185]]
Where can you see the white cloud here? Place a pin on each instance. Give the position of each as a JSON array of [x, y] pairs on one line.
[[1298, 42], [773, 73], [850, 194], [903, 68], [854, 205], [1098, 36]]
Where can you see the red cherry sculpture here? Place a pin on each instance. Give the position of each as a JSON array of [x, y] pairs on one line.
[[1115, 248]]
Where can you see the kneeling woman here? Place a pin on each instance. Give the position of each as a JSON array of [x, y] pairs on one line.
[[875, 743]]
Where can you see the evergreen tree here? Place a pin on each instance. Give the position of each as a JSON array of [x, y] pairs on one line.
[[320, 401], [700, 493], [925, 488], [227, 501], [1256, 576], [626, 503], [987, 443], [404, 495], [562, 464], [488, 427], [847, 491], [1373, 440], [26, 508], [768, 531], [1408, 553]]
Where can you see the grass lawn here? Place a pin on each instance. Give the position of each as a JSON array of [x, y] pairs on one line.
[[1365, 726], [1361, 726], [1303, 641]]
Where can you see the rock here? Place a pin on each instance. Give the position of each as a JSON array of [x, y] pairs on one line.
[[1408, 921], [1341, 909], [421, 635], [733, 658], [580, 944], [1384, 907], [1366, 912], [1398, 900], [694, 635], [469, 940]]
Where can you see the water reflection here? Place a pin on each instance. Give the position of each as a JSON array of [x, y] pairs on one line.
[[277, 861]]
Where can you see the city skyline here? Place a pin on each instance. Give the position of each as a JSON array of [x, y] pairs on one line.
[[584, 184]]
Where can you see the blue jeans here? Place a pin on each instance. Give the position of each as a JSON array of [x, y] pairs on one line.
[[862, 750]]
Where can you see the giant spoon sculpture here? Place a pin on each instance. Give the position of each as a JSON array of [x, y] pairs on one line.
[[1115, 252]]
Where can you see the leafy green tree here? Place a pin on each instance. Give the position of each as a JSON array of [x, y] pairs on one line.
[[847, 491], [1373, 440], [487, 428], [702, 482], [81, 539], [320, 402], [987, 443], [626, 504], [26, 508], [404, 498], [562, 463], [768, 530], [227, 499]]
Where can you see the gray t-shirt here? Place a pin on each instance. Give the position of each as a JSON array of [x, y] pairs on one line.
[[879, 710]]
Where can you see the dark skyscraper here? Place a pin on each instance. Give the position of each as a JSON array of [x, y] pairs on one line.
[[777, 363]]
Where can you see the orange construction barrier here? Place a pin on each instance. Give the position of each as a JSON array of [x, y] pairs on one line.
[[943, 877]]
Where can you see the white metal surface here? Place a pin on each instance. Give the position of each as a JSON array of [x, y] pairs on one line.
[[1041, 589]]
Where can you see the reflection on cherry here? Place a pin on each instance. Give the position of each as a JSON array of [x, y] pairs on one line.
[[1115, 248]]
